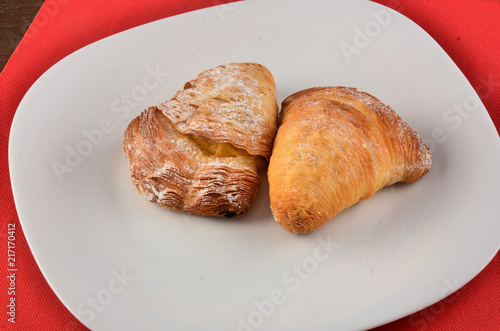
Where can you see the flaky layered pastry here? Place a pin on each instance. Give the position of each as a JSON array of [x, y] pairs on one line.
[[201, 151], [336, 146]]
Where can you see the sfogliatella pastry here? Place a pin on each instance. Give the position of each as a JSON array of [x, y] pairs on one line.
[[336, 146], [200, 152]]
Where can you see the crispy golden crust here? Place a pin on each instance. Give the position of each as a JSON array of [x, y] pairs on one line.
[[177, 163], [233, 103], [336, 146]]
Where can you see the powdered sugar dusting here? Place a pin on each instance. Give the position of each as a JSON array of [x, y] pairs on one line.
[[233, 103], [398, 133]]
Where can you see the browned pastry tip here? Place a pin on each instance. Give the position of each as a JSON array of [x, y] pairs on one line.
[[201, 151], [336, 146]]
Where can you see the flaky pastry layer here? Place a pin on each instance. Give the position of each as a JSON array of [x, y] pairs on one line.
[[233, 103], [336, 146]]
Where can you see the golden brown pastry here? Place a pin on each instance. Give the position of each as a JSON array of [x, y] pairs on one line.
[[201, 151], [336, 146]]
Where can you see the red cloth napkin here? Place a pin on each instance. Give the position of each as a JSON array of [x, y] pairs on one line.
[[467, 30]]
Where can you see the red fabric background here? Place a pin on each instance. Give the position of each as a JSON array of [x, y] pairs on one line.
[[467, 30]]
